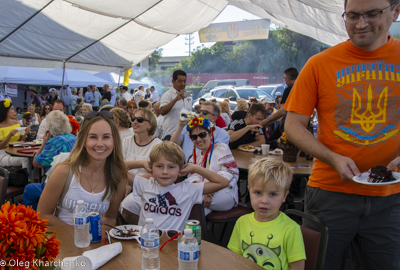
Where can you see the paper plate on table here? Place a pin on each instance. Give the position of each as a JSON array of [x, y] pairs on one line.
[[244, 148], [363, 179], [134, 228], [277, 152]]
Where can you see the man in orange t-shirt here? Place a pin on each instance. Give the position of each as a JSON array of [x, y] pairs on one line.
[[355, 87]]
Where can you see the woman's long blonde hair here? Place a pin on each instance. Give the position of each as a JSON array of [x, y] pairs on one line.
[[114, 169]]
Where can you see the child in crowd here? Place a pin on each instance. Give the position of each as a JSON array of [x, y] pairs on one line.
[[170, 204], [267, 236]]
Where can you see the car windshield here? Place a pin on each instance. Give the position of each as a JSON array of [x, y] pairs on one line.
[[267, 89], [208, 95], [246, 93]]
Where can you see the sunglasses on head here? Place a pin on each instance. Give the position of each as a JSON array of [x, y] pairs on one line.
[[104, 114], [202, 135], [139, 119], [204, 112]]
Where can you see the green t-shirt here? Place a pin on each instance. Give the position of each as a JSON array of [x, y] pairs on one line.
[[272, 245]]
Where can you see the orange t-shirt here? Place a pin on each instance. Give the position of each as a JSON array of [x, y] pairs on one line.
[[357, 97]]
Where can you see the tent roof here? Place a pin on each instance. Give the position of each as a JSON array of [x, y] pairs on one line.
[[115, 79], [105, 35], [78, 78], [27, 75]]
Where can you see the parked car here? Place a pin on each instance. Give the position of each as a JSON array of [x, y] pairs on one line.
[[268, 87], [214, 83], [234, 93], [278, 90]]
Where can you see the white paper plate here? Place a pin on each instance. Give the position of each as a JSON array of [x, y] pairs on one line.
[[277, 152], [364, 176], [122, 227], [247, 150]]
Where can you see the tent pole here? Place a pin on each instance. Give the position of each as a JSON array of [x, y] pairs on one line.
[[62, 82], [119, 77]]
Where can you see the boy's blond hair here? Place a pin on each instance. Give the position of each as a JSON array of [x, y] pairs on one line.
[[171, 151], [270, 170]]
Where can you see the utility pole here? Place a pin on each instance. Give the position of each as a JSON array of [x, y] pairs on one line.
[[189, 42]]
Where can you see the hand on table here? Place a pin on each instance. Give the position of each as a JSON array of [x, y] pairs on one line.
[[394, 163]]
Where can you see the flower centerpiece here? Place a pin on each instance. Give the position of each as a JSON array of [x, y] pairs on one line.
[[23, 239], [290, 150], [28, 117], [74, 124]]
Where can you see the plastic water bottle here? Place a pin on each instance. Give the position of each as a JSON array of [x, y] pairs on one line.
[[188, 251], [315, 128], [81, 225], [150, 242]]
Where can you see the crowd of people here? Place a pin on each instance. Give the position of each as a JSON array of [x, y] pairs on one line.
[[138, 157]]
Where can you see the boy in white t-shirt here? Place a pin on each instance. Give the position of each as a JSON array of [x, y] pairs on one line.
[[267, 236], [170, 204]]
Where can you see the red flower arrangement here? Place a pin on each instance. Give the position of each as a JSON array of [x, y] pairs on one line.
[[23, 238], [74, 124]]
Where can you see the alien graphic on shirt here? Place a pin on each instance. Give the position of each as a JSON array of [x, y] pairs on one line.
[[262, 254]]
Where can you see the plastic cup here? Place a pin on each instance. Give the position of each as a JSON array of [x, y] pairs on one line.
[[21, 130], [265, 149], [76, 263]]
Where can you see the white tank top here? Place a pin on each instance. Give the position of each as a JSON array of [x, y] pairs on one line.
[[75, 193]]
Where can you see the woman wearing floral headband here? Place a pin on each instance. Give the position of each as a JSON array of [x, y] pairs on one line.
[[217, 158], [8, 133]]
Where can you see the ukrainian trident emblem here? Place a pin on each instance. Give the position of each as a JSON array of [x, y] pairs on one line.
[[233, 30], [368, 118]]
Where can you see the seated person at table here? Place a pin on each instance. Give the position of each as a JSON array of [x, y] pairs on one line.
[[8, 133], [248, 130], [57, 139], [216, 157], [98, 173], [170, 204], [267, 231]]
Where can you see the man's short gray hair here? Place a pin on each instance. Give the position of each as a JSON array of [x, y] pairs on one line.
[[58, 123], [216, 108]]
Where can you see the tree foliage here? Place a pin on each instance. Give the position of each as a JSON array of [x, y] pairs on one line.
[[154, 58]]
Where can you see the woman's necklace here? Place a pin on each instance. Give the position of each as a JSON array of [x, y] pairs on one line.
[[96, 184]]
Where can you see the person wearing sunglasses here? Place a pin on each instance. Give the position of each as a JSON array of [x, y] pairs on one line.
[[131, 106], [208, 110], [45, 111], [138, 147], [216, 157], [172, 102], [167, 202], [97, 170], [351, 85], [59, 105]]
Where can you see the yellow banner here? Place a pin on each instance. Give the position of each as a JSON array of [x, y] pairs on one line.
[[126, 77], [245, 30]]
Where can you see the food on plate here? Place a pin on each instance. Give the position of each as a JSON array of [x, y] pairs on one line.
[[379, 174], [126, 232], [246, 147]]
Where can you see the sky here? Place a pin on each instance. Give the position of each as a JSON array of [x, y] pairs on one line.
[[177, 46]]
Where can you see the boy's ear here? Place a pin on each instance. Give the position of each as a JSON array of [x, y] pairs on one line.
[[284, 198]]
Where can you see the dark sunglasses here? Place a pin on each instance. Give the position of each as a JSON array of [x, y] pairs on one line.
[[47, 109], [132, 107], [139, 119], [204, 112], [202, 135], [104, 114]]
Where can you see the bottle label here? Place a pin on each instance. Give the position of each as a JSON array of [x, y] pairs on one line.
[[188, 255], [81, 221], [149, 243]]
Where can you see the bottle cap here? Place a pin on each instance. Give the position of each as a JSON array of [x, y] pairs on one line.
[[188, 231], [149, 220], [80, 202]]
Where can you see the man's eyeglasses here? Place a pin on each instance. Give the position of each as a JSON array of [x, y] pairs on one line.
[[205, 112], [370, 16], [202, 135], [104, 114], [139, 119]]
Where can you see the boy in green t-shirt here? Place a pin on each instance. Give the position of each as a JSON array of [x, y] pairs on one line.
[[267, 236]]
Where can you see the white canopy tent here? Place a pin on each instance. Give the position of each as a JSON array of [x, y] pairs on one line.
[[115, 80], [27, 75], [78, 78], [106, 36]]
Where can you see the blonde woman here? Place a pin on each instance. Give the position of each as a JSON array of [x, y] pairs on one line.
[[225, 112], [241, 112], [123, 122], [99, 173]]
